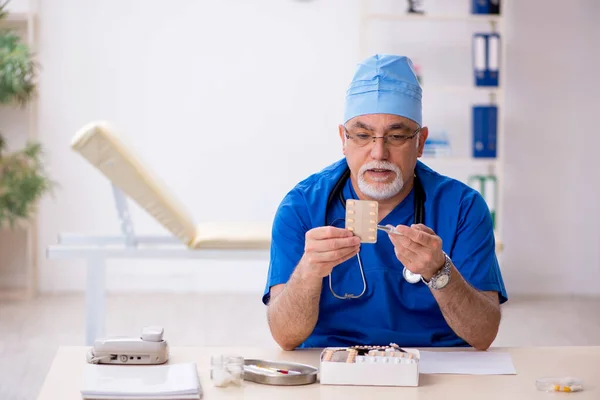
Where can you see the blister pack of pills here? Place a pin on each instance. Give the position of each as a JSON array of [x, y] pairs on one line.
[[361, 219]]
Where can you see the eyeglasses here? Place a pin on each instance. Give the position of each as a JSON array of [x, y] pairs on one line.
[[362, 138]]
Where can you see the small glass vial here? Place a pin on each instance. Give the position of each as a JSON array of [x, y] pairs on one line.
[[227, 370]]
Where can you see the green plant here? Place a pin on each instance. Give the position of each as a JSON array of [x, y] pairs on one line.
[[23, 179]]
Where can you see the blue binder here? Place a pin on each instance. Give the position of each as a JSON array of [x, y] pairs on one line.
[[486, 7], [480, 6], [485, 129], [486, 59]]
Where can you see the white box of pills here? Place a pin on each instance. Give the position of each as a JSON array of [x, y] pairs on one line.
[[369, 366]]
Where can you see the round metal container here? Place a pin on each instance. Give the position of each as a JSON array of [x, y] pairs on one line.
[[307, 375]]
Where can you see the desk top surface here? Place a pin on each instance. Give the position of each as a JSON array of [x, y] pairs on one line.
[[66, 375]]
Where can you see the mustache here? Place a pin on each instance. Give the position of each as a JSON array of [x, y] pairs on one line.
[[379, 165]]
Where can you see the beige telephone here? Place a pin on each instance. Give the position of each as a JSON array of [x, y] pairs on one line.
[[149, 348]]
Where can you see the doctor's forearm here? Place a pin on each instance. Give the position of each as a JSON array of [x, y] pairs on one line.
[[473, 315], [292, 314]]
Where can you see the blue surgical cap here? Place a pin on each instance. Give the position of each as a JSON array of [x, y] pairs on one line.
[[384, 84]]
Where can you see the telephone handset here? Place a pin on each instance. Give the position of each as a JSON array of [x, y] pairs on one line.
[[149, 348]]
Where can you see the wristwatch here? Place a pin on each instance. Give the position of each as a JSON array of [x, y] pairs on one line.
[[441, 278]]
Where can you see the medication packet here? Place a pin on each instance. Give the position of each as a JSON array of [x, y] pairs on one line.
[[361, 219], [568, 385]]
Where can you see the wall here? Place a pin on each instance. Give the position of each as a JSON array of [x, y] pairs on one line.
[[231, 102], [552, 194], [22, 6], [215, 95]]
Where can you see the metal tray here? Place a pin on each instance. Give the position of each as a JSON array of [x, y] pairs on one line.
[[308, 373]]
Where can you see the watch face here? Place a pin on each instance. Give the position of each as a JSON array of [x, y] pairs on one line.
[[442, 281], [411, 277]]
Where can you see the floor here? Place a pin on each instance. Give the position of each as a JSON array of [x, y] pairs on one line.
[[31, 331]]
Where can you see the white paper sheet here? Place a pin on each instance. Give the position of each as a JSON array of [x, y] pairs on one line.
[[466, 363], [160, 382]]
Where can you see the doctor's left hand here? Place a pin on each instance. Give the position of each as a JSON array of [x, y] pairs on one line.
[[419, 249]]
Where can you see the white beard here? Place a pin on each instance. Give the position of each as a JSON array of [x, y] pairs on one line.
[[380, 191]]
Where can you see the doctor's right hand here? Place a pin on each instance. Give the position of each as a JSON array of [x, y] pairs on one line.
[[325, 247]]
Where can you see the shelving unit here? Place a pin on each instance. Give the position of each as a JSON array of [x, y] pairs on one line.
[[450, 17], [459, 166], [24, 23], [461, 89]]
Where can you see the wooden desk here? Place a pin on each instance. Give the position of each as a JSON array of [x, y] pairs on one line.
[[66, 375]]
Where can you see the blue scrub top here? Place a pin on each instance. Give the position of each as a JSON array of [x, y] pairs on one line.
[[391, 310]]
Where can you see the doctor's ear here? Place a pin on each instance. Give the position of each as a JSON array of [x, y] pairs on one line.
[[423, 133], [342, 134]]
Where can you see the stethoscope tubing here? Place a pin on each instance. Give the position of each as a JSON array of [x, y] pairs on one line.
[[409, 276]]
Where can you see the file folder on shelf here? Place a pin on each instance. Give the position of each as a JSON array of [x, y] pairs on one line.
[[494, 7], [485, 7], [485, 127], [486, 59]]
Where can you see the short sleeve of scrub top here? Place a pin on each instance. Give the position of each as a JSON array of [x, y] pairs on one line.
[[473, 251], [287, 243]]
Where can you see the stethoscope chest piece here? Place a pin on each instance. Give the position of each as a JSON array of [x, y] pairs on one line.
[[411, 277]]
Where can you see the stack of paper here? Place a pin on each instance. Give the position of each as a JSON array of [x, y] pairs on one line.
[[153, 382]]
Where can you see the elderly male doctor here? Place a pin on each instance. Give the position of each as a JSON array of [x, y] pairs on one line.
[[315, 291]]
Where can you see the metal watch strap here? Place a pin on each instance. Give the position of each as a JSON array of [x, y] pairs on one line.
[[445, 270]]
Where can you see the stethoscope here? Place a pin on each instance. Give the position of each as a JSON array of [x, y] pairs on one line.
[[419, 200]]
